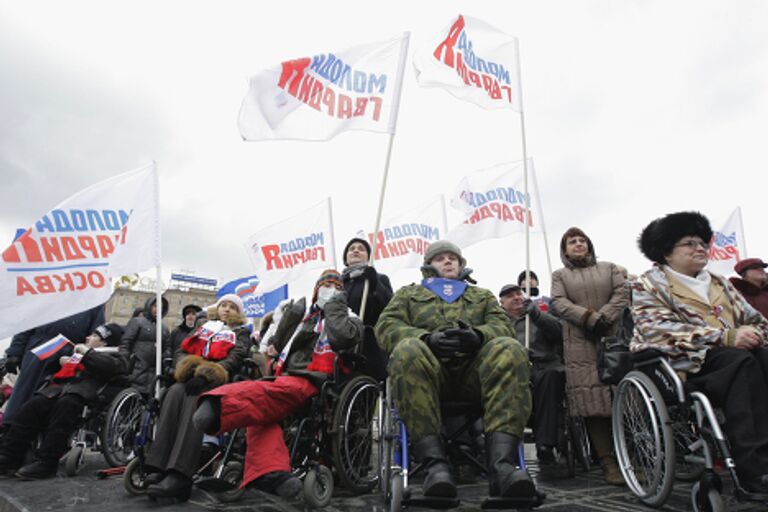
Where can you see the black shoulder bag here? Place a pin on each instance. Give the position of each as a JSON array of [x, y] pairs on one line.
[[614, 360]]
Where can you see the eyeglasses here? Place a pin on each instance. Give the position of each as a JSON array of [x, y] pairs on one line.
[[693, 244]]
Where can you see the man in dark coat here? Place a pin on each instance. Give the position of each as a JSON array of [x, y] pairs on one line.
[[138, 346], [548, 371], [85, 378], [32, 370], [753, 283]]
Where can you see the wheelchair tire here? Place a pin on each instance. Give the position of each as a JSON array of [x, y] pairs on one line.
[[232, 473], [711, 502], [74, 460], [643, 439], [121, 423], [386, 444], [396, 493], [318, 487], [569, 452], [582, 451], [354, 454], [133, 478]]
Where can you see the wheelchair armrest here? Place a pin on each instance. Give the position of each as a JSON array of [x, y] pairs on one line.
[[647, 356]]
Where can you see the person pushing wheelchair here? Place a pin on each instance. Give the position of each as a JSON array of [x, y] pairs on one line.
[[450, 340]]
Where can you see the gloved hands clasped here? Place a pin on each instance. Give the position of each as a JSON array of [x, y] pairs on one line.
[[448, 344]]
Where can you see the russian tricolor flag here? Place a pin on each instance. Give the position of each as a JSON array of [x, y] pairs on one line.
[[50, 347]]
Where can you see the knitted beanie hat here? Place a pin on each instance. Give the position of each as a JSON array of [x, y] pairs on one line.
[[110, 333], [329, 277], [440, 247], [234, 299], [360, 241]]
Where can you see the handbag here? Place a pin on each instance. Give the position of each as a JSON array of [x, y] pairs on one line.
[[614, 360]]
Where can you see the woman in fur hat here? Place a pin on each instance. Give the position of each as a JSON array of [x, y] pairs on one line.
[[589, 296], [206, 359], [709, 331]]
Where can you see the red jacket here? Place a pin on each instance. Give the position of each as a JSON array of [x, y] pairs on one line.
[[757, 297]]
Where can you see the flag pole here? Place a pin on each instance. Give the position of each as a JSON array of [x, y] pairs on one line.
[[392, 126], [158, 280], [525, 192], [741, 230]]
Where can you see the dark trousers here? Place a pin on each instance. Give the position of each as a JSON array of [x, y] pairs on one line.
[[736, 381], [548, 392], [177, 442], [56, 418]]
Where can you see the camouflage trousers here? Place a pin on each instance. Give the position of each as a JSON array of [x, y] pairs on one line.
[[498, 376]]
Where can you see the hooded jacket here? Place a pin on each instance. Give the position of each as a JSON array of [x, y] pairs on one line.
[[138, 347], [582, 295]]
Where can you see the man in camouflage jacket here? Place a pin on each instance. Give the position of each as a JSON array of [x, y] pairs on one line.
[[450, 340]]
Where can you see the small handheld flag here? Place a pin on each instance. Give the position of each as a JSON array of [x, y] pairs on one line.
[[50, 347]]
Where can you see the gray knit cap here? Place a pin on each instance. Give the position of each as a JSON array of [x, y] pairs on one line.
[[440, 247]]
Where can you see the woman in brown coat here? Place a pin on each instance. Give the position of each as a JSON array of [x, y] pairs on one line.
[[589, 298]]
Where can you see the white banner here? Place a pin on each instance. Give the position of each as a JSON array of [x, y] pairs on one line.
[[65, 262], [473, 61], [727, 246], [404, 239], [494, 204], [290, 249], [316, 98]]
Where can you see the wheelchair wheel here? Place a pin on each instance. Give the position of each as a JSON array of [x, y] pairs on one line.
[[122, 422], [712, 501], [685, 435], [74, 460], [354, 454], [133, 478], [396, 493], [582, 451], [643, 439], [318, 487], [233, 473]]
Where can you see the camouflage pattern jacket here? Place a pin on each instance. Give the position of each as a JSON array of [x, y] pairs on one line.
[[415, 311], [667, 321]]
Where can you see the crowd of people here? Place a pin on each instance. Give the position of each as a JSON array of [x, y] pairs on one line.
[[444, 338]]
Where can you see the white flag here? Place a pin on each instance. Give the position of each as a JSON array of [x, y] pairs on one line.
[[290, 249], [315, 98], [727, 246], [494, 204], [473, 61], [64, 263], [404, 239]]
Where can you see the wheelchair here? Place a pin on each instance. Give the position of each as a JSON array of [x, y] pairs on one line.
[[663, 432], [335, 434], [396, 470]]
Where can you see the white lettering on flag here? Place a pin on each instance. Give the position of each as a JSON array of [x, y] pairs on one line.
[[473, 61], [290, 249], [317, 97], [494, 204], [64, 262]]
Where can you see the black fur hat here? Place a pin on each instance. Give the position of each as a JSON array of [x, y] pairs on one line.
[[660, 236]]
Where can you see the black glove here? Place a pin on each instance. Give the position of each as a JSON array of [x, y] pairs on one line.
[[531, 309], [12, 364], [370, 275], [601, 328], [470, 340], [442, 346], [195, 386]]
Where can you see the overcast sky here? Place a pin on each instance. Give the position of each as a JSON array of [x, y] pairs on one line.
[[633, 109]]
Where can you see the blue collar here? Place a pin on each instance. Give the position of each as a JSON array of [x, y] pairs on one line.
[[447, 289]]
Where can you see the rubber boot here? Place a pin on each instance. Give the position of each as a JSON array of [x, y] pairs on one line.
[[439, 481], [505, 478], [602, 439]]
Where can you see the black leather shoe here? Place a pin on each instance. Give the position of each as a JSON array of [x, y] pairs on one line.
[[438, 481], [757, 485], [505, 479], [174, 485], [38, 470]]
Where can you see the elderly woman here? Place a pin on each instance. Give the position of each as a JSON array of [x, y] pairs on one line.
[[589, 296], [709, 331]]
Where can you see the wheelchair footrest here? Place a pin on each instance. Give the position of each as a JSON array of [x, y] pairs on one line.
[[213, 484], [432, 502], [495, 502], [104, 473]]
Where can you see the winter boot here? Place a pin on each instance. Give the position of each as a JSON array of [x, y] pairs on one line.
[[439, 481], [175, 487], [38, 469], [505, 479], [611, 471], [602, 440]]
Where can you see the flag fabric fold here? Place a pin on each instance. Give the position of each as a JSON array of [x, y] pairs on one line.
[[64, 262], [474, 62], [727, 246], [319, 96]]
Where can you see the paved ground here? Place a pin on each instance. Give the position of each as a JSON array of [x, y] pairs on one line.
[[86, 493]]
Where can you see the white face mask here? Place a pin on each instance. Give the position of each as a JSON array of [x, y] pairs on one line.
[[324, 294]]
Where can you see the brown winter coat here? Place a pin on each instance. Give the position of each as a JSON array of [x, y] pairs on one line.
[[580, 297]]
